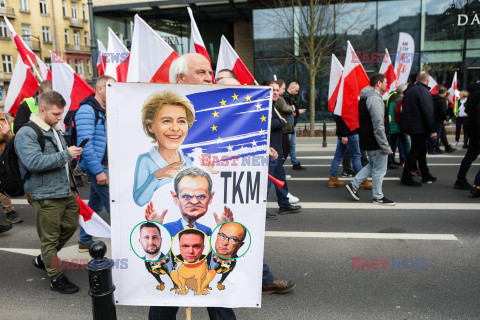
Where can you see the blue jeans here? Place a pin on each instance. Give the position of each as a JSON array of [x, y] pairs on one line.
[[275, 169], [99, 198], [293, 141], [434, 144], [377, 167], [403, 142], [267, 276], [353, 147]]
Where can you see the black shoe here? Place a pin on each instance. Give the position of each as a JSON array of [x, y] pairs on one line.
[[63, 285], [13, 217], [271, 216], [289, 209], [348, 173], [384, 201], [429, 179], [5, 227], [410, 182], [38, 263], [352, 191], [450, 149], [475, 192], [438, 151], [465, 146], [392, 166], [298, 167], [462, 184]]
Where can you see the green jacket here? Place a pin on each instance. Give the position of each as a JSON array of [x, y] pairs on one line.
[[392, 103]]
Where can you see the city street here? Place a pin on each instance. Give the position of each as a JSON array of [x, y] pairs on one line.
[[350, 260]]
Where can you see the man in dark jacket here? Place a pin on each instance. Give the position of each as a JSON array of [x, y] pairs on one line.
[[289, 96], [439, 118], [473, 130], [417, 121], [373, 139]]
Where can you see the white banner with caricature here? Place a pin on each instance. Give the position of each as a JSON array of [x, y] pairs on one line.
[[188, 169]]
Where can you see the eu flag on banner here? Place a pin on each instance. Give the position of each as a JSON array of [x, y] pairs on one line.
[[230, 121]]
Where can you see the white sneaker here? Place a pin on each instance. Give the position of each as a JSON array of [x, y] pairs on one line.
[[292, 199], [455, 143], [288, 177]]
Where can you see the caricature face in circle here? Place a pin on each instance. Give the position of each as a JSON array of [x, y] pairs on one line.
[[170, 126], [193, 197], [230, 239], [191, 247]]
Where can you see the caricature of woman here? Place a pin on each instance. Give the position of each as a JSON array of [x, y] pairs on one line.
[[166, 115]]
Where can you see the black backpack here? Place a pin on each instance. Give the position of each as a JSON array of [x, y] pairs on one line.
[[11, 181], [71, 128]]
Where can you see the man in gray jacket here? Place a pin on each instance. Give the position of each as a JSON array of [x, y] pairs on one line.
[[48, 185], [373, 139]]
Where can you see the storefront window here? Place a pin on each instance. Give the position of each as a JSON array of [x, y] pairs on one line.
[[272, 32]]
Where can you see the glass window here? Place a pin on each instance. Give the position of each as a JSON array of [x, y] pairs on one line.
[[3, 29], [3, 6], [7, 63], [89, 66], [76, 37], [272, 33], [85, 36], [26, 33], [79, 67], [67, 37], [46, 34], [64, 8], [48, 63], [43, 7], [24, 6], [74, 11], [84, 11]]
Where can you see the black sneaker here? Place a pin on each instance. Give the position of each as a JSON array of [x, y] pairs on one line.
[[450, 149], [5, 227], [271, 216], [410, 182], [475, 192], [352, 191], [13, 217], [38, 263], [289, 209], [63, 285], [462, 184], [298, 167], [384, 201], [392, 166], [429, 179]]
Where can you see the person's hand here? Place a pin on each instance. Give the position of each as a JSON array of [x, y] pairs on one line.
[[102, 179], [169, 171], [294, 113], [389, 118], [273, 153], [75, 151], [433, 135], [444, 122], [225, 217], [152, 215], [301, 111], [208, 159], [344, 140]]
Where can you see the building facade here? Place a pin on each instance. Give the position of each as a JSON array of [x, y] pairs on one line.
[[46, 25]]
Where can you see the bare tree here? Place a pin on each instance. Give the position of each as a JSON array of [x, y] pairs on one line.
[[312, 23]]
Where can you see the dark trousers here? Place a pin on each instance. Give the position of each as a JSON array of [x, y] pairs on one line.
[[418, 153], [443, 138], [434, 144], [459, 122], [275, 169], [472, 153], [170, 313], [347, 160]]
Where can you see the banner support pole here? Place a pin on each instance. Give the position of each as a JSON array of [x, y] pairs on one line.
[[34, 69], [188, 310]]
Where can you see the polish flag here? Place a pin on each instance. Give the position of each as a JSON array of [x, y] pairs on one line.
[[336, 70], [22, 85], [453, 89], [229, 59], [354, 79], [388, 70], [150, 55], [69, 84], [196, 42], [44, 71], [432, 84], [117, 58], [101, 58], [25, 52], [91, 221]]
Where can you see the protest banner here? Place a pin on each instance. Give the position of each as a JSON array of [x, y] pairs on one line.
[[185, 160]]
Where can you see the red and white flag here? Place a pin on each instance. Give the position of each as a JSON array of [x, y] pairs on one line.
[[150, 55], [91, 221], [387, 69], [44, 71], [453, 89], [336, 70], [117, 58], [196, 41], [22, 85], [229, 59], [433, 85], [25, 52], [101, 58], [354, 79], [69, 84]]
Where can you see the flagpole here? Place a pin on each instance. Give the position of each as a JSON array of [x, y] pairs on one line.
[[188, 310], [34, 69]]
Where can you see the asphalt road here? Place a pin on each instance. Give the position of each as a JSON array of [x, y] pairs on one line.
[[431, 240]]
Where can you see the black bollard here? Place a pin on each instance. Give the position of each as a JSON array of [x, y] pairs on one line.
[[101, 285], [324, 144]]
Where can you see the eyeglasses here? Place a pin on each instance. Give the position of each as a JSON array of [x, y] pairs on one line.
[[231, 240]]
